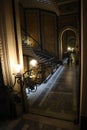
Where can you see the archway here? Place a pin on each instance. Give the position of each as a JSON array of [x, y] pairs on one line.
[[68, 37]]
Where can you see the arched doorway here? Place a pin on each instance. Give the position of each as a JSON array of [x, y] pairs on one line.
[[68, 41]]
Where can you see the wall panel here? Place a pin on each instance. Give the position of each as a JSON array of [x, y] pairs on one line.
[[32, 24], [49, 32]]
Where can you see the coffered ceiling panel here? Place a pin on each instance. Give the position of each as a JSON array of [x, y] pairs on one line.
[[60, 7], [68, 8]]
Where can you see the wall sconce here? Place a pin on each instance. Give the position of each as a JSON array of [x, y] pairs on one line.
[[18, 79], [18, 70]]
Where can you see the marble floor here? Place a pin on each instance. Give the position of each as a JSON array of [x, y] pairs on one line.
[[58, 97], [54, 105]]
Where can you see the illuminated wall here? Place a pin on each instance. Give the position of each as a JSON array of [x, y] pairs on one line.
[[10, 39]]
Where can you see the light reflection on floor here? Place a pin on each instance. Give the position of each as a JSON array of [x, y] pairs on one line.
[[34, 95]]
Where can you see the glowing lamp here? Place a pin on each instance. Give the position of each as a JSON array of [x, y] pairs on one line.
[[33, 63], [69, 48], [18, 70]]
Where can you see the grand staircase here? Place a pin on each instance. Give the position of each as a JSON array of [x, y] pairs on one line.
[[31, 47], [41, 55], [46, 58]]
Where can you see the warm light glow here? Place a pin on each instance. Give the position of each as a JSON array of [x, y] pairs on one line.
[[33, 76], [72, 49], [18, 69], [33, 63], [69, 48]]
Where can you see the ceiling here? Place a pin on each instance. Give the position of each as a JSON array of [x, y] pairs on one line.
[[60, 7]]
